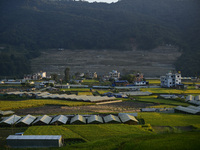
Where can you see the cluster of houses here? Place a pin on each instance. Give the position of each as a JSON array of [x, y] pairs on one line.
[[29, 120]]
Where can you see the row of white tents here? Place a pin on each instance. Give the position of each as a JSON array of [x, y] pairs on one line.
[[195, 110], [193, 99], [62, 119], [46, 95]]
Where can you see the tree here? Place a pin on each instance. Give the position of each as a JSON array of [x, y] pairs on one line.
[[54, 77], [66, 72]]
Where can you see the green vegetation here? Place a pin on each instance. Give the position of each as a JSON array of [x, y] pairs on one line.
[[163, 119], [52, 130], [140, 23], [122, 136], [154, 81], [89, 81], [156, 100], [10, 105], [85, 93], [170, 91]]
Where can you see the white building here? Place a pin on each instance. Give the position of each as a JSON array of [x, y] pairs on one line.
[[114, 75], [170, 80]]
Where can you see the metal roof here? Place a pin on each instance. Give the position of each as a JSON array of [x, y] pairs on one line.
[[197, 98], [10, 120], [126, 117], [45, 119], [28, 119], [189, 98], [111, 118], [78, 118], [95, 119], [186, 109], [194, 107], [132, 114], [33, 137], [61, 118]]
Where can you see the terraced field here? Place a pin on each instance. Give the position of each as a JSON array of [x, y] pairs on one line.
[[152, 63]]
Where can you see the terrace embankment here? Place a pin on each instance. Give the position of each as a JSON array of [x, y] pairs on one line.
[[152, 63]]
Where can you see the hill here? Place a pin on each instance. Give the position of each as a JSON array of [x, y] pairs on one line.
[[27, 26]]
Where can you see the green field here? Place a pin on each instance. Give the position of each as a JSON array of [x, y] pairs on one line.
[[122, 136], [170, 91], [162, 102], [153, 81], [10, 105]]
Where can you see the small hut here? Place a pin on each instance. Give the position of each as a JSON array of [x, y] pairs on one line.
[[111, 119], [78, 119], [42, 120], [60, 119], [94, 119], [128, 119]]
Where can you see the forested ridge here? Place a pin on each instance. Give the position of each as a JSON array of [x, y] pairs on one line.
[[26, 26]]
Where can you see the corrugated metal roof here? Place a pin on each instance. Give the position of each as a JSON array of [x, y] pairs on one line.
[[197, 98], [189, 98], [126, 117], [111, 118], [95, 118], [28, 119], [132, 114], [194, 107], [187, 110], [32, 137], [45, 119], [61, 118], [78, 118], [10, 120]]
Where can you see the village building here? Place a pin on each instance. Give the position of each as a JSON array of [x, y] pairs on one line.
[[170, 80], [114, 74]]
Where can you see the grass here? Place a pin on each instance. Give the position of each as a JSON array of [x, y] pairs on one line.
[[88, 132], [102, 91], [51, 130], [153, 81], [126, 137], [154, 99], [85, 93], [170, 91], [10, 105], [89, 81], [163, 119]]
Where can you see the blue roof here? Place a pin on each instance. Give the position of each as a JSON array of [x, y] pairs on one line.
[[121, 81]]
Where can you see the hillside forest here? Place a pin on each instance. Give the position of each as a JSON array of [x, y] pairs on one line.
[[28, 26]]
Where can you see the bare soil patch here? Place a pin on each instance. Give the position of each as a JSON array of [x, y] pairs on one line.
[[125, 106]]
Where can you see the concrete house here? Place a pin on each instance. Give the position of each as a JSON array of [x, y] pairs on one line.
[[170, 80]]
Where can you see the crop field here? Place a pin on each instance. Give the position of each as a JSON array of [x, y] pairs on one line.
[[163, 119], [162, 102], [89, 81], [170, 91], [52, 130], [153, 81], [122, 136], [85, 93], [88, 132], [10, 105]]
